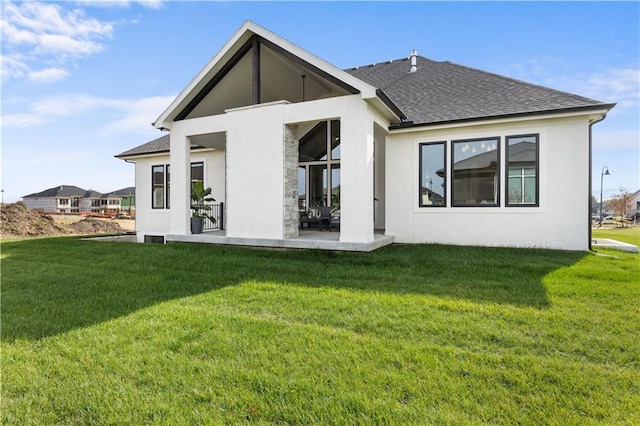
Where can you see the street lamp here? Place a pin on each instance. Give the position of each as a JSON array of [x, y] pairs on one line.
[[605, 171]]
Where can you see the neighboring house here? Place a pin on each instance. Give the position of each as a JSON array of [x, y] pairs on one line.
[[635, 204], [72, 199], [59, 199], [419, 151], [124, 200]]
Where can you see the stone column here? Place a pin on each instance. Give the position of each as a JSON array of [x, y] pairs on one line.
[[290, 188]]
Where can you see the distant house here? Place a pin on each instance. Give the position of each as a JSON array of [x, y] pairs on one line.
[[422, 151], [635, 204], [69, 199]]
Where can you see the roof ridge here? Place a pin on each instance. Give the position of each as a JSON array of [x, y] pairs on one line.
[[375, 64]]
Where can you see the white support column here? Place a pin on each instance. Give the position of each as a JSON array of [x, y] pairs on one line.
[[180, 210], [356, 169]]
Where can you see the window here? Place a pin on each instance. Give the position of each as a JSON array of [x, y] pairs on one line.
[[168, 181], [161, 183], [433, 173], [319, 166], [64, 201], [157, 187], [476, 172], [522, 166], [197, 172]]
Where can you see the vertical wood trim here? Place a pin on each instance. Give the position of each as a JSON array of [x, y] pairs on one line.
[[255, 53]]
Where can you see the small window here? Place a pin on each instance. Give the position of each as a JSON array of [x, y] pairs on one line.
[[159, 239], [157, 187], [522, 167], [64, 201], [433, 173], [197, 173], [476, 173], [168, 183]]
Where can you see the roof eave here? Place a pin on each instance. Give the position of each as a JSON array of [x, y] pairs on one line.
[[158, 153]]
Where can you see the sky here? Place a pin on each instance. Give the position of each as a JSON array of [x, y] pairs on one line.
[[83, 80]]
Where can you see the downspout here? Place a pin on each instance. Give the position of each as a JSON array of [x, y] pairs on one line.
[[591, 171]]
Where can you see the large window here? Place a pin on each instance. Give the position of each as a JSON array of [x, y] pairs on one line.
[[476, 172], [319, 167], [433, 174], [522, 166]]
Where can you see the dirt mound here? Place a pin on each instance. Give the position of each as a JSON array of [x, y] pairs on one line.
[[16, 220], [95, 226], [19, 221]]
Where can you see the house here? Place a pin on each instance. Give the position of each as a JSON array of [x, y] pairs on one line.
[[59, 199], [635, 205], [419, 151], [69, 199], [122, 200]]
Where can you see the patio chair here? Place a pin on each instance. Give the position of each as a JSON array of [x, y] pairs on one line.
[[325, 216]]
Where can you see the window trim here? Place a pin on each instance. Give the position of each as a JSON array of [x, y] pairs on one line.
[[537, 168], [498, 140], [446, 173]]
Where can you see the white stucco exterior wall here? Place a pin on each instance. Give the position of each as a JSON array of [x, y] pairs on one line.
[[255, 158], [157, 221], [560, 221]]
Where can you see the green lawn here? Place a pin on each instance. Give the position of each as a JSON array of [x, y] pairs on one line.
[[626, 235], [117, 333]]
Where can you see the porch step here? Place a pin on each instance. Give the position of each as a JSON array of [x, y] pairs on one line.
[[302, 242]]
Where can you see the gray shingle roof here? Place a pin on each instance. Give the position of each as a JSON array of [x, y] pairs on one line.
[[160, 144], [443, 92], [440, 92], [124, 192], [59, 191]]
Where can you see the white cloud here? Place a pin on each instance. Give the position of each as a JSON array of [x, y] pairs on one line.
[[13, 66], [133, 115], [619, 85], [615, 140], [149, 4], [36, 33], [139, 114], [48, 75]]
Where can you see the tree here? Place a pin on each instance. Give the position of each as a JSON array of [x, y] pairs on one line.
[[621, 201]]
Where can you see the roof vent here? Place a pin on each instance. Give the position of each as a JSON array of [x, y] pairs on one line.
[[413, 57]]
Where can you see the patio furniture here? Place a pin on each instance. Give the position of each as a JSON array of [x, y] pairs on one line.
[[325, 217]]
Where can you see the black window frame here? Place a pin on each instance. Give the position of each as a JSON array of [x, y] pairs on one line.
[[164, 186], [537, 168], [166, 179], [498, 140], [445, 178]]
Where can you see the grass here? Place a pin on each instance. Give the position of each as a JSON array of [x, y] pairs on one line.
[[115, 333], [626, 235]]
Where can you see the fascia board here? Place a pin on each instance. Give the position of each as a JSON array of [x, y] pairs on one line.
[[245, 32], [591, 114], [146, 155]]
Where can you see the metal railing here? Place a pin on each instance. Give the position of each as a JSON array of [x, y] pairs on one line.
[[215, 211]]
